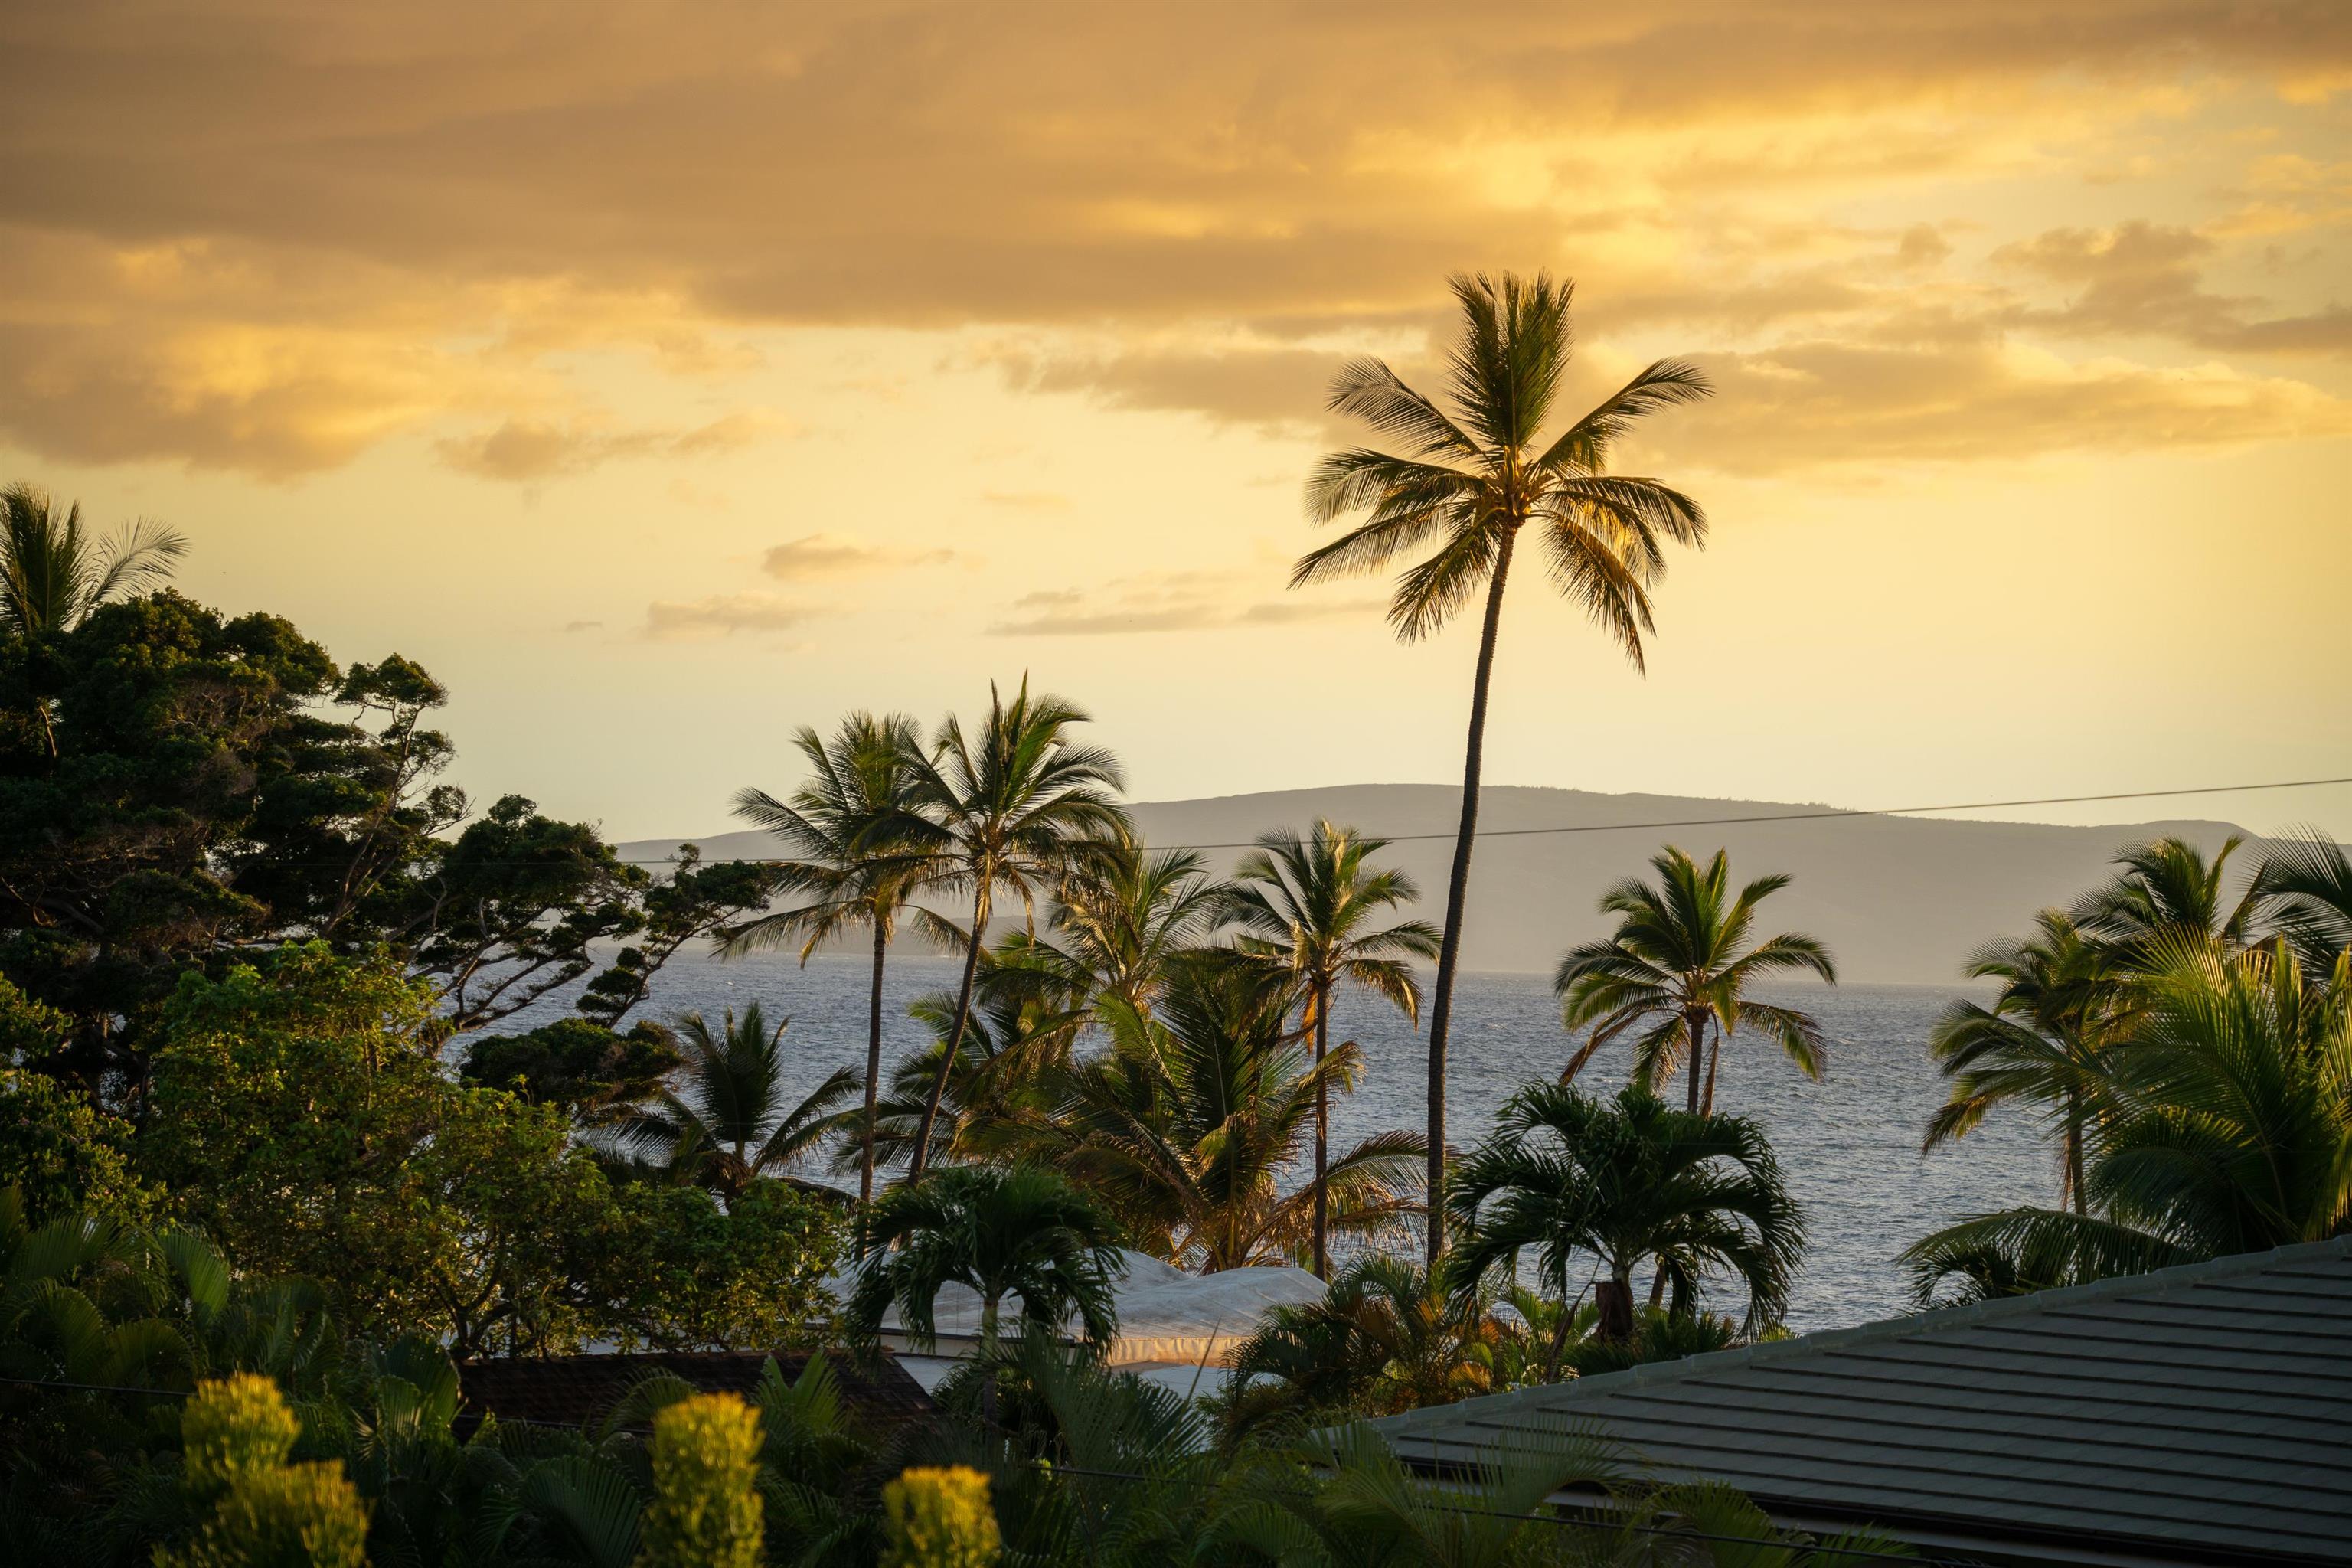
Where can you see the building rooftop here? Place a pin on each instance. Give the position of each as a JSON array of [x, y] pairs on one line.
[[2201, 1413]]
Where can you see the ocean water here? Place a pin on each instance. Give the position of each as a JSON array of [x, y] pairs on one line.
[[1849, 1145]]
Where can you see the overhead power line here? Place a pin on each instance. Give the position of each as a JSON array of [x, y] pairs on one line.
[[1828, 814]]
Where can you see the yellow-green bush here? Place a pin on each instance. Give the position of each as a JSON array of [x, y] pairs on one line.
[[235, 1433], [234, 1427], [940, 1519], [282, 1516], [706, 1510]]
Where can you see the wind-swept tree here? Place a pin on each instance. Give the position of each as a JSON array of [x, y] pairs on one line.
[[2046, 1040], [726, 1118], [846, 867], [1616, 1181], [1473, 475], [54, 571], [1678, 968], [1309, 908], [1016, 806]]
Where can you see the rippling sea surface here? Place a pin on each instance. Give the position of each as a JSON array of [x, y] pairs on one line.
[[1849, 1144]]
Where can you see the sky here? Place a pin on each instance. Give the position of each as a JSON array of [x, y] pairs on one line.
[[663, 377]]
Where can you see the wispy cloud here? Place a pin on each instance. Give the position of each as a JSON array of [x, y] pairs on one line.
[[527, 449], [1171, 602], [815, 555], [723, 615]]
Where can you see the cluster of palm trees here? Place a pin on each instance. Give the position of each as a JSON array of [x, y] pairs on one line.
[[1210, 1000], [2186, 1035]]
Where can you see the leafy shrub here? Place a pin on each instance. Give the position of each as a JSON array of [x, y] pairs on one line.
[[940, 1518], [706, 1509]]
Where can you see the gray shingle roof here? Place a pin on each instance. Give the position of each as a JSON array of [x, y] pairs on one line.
[[2201, 1413]]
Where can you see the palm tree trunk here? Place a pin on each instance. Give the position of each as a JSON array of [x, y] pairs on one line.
[[1695, 1057], [955, 1035], [872, 1057], [1457, 889], [2072, 1175], [1714, 1060], [1615, 1299], [1322, 1135], [988, 1363]]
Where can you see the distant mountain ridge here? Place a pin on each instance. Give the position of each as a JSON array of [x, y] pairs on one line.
[[1898, 900]]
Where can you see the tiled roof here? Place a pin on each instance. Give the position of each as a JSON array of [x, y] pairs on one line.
[[2201, 1413], [574, 1390]]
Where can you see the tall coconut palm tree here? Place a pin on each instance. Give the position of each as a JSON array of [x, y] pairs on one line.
[[1186, 1123], [2231, 1131], [725, 1120], [851, 875], [1475, 474], [1307, 908], [1678, 966], [1017, 806], [54, 572], [1616, 1181], [1019, 1231], [2046, 1039]]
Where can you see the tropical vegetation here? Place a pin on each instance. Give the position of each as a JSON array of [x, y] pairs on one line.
[[2189, 1042], [318, 1078]]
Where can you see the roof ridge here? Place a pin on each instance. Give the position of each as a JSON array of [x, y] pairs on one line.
[[1938, 1321]]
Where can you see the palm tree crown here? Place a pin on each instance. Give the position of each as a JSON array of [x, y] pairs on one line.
[[1621, 1180], [724, 1121], [1474, 473], [1016, 806], [2168, 890], [1187, 1123], [1679, 965], [999, 1232], [2307, 882], [851, 873], [2044, 1040], [1307, 908], [1122, 918], [54, 572]]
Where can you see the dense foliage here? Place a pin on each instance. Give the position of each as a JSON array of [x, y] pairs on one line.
[[2188, 1044]]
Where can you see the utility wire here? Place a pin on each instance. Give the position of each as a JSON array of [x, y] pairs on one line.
[[1829, 814]]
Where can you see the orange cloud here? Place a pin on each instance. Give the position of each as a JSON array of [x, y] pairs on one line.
[[295, 232]]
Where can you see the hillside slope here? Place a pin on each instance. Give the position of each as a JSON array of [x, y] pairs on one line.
[[1897, 899]]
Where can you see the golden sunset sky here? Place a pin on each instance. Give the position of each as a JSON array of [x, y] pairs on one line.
[[665, 376]]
